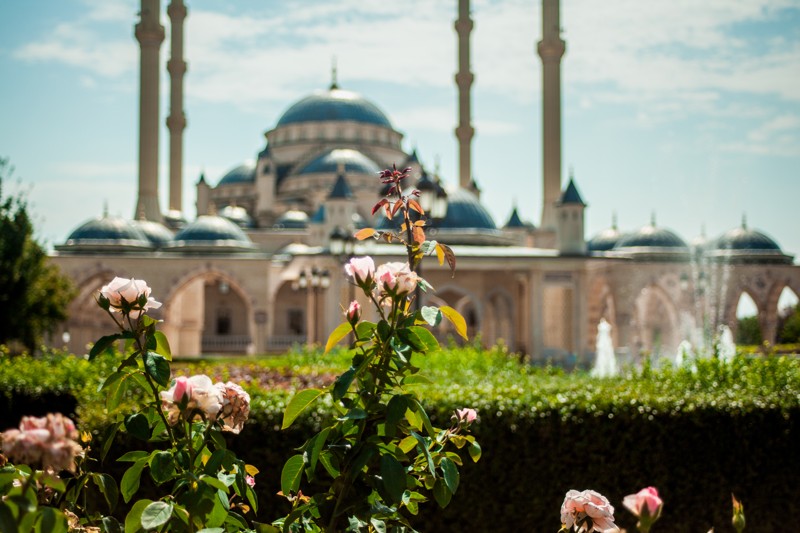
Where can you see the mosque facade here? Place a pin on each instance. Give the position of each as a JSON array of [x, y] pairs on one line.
[[260, 267]]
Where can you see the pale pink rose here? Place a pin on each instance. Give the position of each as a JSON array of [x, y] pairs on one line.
[[205, 398], [466, 415], [646, 499], [360, 268], [353, 312], [235, 406], [396, 277], [45, 442], [128, 291], [587, 511], [250, 480]]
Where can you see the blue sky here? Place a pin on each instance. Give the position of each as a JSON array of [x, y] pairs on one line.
[[689, 110]]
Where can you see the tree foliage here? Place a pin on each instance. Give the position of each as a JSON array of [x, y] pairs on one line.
[[749, 332], [34, 294], [789, 327]]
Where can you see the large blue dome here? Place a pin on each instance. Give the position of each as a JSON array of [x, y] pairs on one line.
[[464, 212], [334, 105], [353, 161], [244, 173], [156, 233]]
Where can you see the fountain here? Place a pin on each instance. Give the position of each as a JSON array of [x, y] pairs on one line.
[[685, 353], [605, 365], [726, 348]]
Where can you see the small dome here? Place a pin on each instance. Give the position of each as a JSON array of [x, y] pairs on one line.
[[156, 233], [108, 232], [238, 215], [244, 173], [652, 237], [605, 240], [746, 245], [210, 231], [174, 219], [334, 105], [464, 210], [744, 239], [353, 161], [292, 219]]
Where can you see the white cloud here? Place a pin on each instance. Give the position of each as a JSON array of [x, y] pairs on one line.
[[778, 136]]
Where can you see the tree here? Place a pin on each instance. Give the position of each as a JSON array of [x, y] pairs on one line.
[[789, 327], [34, 294], [749, 331]]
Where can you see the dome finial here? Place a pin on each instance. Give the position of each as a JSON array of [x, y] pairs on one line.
[[105, 208], [334, 83], [437, 166], [653, 219], [571, 172], [744, 220], [614, 219]]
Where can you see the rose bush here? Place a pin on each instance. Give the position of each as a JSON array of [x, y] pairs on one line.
[[587, 511]]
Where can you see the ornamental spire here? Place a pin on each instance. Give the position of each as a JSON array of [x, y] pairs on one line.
[[334, 83]]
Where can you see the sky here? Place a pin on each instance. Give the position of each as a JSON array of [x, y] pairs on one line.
[[685, 111]]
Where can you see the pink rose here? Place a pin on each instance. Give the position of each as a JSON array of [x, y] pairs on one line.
[[46, 441], [645, 505], [587, 511], [183, 387], [467, 416], [205, 398], [250, 480], [353, 312], [361, 269], [396, 277], [126, 295]]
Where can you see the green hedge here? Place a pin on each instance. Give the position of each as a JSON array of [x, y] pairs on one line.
[[697, 436]]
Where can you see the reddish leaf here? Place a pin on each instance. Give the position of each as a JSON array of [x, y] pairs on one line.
[[449, 256], [397, 205], [378, 205], [413, 204], [419, 234]]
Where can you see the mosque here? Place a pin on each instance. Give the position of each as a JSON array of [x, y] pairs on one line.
[[260, 267]]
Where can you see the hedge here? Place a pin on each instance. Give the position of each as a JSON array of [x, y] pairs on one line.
[[696, 435]]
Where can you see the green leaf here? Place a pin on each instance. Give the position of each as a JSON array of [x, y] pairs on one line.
[[379, 525], [316, 444], [162, 467], [326, 459], [138, 426], [422, 446], [343, 383], [162, 345], [364, 329], [291, 473], [394, 477], [383, 330], [396, 409], [450, 474], [156, 514], [103, 344], [411, 338], [426, 422], [130, 481], [133, 521], [7, 521], [456, 319], [474, 451], [429, 342], [355, 414], [111, 525], [212, 530], [50, 520], [298, 404], [213, 482], [441, 493], [431, 315], [108, 439], [337, 335], [157, 367], [132, 457], [52, 481], [108, 488], [416, 379]]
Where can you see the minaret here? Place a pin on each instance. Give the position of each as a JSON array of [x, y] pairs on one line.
[[150, 34], [551, 50], [176, 121], [464, 79]]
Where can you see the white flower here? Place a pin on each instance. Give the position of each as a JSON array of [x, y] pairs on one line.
[[124, 295]]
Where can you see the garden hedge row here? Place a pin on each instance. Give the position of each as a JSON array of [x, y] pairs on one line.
[[696, 436]]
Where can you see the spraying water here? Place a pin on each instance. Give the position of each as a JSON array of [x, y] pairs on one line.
[[726, 348], [605, 365]]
